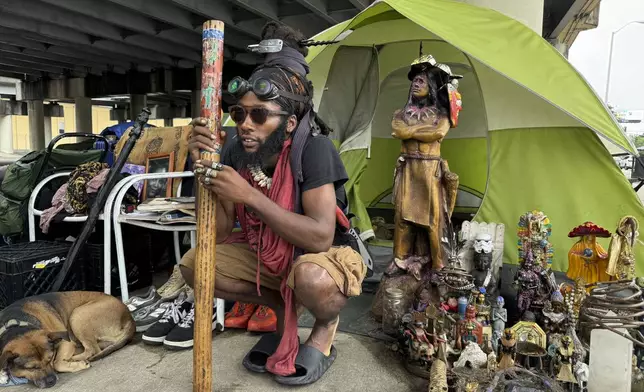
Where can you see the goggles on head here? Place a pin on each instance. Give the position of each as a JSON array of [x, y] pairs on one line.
[[263, 88]]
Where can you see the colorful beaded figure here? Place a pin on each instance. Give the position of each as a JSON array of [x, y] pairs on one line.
[[533, 232]]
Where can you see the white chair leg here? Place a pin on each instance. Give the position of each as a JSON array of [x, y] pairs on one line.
[[120, 258], [193, 239], [221, 314], [177, 249]]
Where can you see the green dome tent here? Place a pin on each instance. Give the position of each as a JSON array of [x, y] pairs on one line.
[[527, 136]]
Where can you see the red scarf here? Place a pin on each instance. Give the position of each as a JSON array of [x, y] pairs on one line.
[[275, 253]]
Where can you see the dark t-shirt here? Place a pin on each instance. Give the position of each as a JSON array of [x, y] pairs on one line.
[[321, 165]]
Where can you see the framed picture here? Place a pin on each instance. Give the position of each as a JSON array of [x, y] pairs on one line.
[[160, 187]]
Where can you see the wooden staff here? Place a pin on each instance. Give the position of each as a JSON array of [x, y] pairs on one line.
[[213, 61]]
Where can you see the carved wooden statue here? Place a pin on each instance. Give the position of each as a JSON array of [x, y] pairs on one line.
[[424, 188], [621, 260]]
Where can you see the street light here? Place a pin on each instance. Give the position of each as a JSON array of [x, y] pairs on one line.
[[610, 53]]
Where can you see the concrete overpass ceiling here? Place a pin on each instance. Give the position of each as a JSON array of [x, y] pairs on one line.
[[74, 38]]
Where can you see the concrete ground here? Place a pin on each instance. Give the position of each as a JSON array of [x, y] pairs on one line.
[[363, 364]]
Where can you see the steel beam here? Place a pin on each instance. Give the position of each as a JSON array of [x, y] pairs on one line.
[[160, 10], [56, 16], [267, 9], [32, 56], [360, 4], [20, 71], [132, 21], [4, 60], [64, 24], [319, 8], [220, 10], [55, 34]]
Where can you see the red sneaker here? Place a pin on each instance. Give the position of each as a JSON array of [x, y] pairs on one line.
[[239, 315], [264, 320]]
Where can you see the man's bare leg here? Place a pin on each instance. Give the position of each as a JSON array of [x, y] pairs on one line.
[[318, 292]]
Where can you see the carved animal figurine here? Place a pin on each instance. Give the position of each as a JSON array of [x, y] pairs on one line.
[[424, 203], [438, 377], [508, 349], [621, 260], [499, 318]]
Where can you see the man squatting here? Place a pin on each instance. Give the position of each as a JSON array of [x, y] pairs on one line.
[[283, 180]]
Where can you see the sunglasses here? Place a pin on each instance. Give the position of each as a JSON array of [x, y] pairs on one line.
[[259, 115]]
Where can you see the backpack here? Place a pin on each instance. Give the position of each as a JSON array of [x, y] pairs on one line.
[[15, 191]]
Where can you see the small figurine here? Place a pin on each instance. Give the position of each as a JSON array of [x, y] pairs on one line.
[[422, 300], [587, 259], [468, 329], [508, 349], [499, 318], [556, 318], [419, 348], [483, 275], [535, 285], [564, 359], [621, 260], [491, 362], [534, 231], [582, 372]]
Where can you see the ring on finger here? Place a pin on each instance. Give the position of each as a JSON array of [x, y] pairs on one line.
[[209, 172], [206, 180], [199, 170], [217, 166]]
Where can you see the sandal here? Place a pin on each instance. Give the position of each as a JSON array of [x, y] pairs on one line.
[[310, 366], [255, 360]]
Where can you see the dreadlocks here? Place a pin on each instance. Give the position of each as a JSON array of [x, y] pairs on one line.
[[288, 73]]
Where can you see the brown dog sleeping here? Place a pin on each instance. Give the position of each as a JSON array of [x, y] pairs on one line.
[[61, 332]]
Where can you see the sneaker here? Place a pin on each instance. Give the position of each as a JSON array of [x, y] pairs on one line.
[[135, 303], [182, 336], [158, 331], [173, 286], [263, 320], [239, 315], [146, 317]]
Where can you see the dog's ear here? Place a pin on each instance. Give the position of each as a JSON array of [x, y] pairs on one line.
[[6, 357], [56, 337]]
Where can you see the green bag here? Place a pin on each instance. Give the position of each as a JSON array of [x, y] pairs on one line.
[[20, 175], [11, 216]]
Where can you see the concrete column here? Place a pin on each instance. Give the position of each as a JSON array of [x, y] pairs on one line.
[[137, 103], [47, 130], [167, 122], [6, 135], [83, 111], [118, 114], [36, 112], [195, 104]]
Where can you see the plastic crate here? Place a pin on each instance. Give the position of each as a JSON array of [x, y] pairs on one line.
[[30, 268], [140, 257]]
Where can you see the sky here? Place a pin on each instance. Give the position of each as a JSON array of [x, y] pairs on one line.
[[589, 54]]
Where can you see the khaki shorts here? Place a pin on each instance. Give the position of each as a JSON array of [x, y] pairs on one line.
[[239, 262]]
